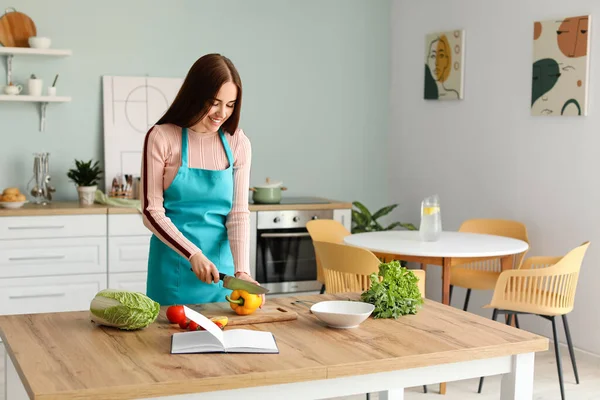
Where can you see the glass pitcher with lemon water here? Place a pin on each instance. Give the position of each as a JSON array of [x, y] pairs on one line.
[[431, 219]]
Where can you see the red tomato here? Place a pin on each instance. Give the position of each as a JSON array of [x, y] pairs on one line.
[[184, 324], [193, 326], [220, 325], [175, 314]]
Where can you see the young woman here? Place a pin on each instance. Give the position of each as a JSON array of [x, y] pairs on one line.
[[195, 184]]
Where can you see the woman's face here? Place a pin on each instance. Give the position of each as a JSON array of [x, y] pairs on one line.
[[221, 109]]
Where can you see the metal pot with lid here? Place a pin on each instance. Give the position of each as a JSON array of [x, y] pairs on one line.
[[267, 193]]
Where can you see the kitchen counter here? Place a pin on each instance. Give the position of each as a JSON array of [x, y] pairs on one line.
[[66, 356], [73, 207]]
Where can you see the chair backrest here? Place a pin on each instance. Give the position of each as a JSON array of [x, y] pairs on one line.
[[498, 227], [325, 230], [542, 289], [345, 268], [348, 268], [419, 273]]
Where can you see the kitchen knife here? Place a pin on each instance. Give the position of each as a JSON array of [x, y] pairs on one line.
[[233, 283]]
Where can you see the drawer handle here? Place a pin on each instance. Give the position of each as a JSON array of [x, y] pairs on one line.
[[31, 296], [36, 227], [36, 258]]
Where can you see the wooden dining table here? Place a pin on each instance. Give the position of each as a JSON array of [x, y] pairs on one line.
[[65, 356]]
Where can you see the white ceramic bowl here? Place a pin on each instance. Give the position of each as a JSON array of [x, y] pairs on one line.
[[38, 42], [342, 314], [12, 204]]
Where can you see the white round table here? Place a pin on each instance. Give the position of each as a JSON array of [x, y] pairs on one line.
[[408, 246]]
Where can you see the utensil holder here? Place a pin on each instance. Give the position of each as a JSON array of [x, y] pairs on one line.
[[34, 87]]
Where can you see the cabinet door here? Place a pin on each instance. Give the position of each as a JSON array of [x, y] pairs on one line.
[[51, 257], [344, 216], [128, 253], [135, 282], [53, 226], [127, 225], [49, 294]]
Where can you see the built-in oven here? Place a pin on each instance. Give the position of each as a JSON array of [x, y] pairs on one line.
[[282, 256]]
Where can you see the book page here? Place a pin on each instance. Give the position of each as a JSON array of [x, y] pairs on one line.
[[205, 323], [195, 342], [241, 339]]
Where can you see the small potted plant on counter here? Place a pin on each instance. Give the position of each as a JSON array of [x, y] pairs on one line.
[[85, 175]]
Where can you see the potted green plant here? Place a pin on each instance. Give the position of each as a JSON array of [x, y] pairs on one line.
[[365, 221], [85, 175]]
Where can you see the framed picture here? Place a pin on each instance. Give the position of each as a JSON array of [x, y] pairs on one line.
[[444, 65], [561, 53]]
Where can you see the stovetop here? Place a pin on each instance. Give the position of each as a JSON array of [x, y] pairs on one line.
[[301, 200]]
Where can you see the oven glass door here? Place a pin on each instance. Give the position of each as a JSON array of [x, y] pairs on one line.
[[285, 255]]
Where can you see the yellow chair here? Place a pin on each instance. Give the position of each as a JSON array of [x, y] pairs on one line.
[[325, 230], [329, 230], [483, 274], [543, 286], [348, 269]]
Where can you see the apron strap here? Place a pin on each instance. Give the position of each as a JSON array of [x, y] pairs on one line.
[[184, 147], [226, 147]]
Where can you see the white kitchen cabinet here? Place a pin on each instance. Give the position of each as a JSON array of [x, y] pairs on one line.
[[128, 247], [51, 263], [344, 216], [128, 254], [134, 281], [52, 257], [49, 294], [54, 226], [127, 225]]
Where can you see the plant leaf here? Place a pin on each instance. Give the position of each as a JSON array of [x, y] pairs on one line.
[[384, 211], [364, 210]]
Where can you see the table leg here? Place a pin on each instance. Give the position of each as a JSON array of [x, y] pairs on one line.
[[446, 282], [13, 386], [518, 383], [424, 267], [445, 298], [507, 263]]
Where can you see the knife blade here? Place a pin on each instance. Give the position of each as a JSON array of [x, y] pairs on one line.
[[233, 283]]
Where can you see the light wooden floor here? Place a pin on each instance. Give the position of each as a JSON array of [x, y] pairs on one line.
[[545, 386]]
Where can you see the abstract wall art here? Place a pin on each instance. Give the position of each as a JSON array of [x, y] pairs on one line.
[[561, 54], [444, 65]]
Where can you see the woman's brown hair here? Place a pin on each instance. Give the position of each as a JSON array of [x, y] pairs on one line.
[[199, 90]]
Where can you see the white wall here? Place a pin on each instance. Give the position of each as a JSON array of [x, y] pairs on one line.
[[485, 155]]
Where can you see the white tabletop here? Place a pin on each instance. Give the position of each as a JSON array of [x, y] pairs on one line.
[[450, 244]]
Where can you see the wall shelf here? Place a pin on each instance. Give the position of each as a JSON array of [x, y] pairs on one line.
[[34, 52], [34, 99], [9, 53]]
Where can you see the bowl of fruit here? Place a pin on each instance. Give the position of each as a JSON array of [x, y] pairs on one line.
[[12, 198]]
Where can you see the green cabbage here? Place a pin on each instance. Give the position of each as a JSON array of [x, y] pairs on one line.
[[123, 309]]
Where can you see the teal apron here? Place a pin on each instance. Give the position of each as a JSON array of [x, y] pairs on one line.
[[197, 202]]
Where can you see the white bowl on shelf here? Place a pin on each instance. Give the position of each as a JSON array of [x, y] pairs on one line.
[[13, 204], [38, 42], [342, 314]]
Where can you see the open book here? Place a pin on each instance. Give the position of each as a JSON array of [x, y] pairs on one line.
[[214, 340]]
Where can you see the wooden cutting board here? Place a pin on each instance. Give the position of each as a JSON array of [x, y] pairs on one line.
[[269, 313], [16, 28]]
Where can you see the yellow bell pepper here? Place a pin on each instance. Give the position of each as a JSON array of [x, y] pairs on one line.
[[244, 303]]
